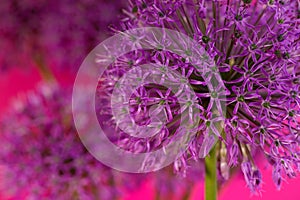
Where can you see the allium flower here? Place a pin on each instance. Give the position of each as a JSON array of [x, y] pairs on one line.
[[256, 48], [61, 32], [44, 157]]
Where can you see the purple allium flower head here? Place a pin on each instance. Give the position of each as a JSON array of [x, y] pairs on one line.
[[61, 32], [256, 48], [44, 158]]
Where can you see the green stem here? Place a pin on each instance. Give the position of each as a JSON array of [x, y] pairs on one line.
[[186, 195], [44, 71], [211, 175]]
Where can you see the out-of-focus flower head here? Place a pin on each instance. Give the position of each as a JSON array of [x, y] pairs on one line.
[[43, 156], [256, 48], [59, 32]]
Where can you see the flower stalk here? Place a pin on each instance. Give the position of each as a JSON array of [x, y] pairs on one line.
[[44, 71], [211, 175]]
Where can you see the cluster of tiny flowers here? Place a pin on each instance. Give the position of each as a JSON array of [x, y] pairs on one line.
[[61, 32], [256, 49], [43, 157]]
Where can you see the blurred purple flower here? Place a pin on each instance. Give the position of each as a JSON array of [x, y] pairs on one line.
[[43, 155], [59, 32]]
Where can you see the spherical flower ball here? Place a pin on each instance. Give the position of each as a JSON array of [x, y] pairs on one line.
[[256, 48], [43, 157], [58, 33]]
